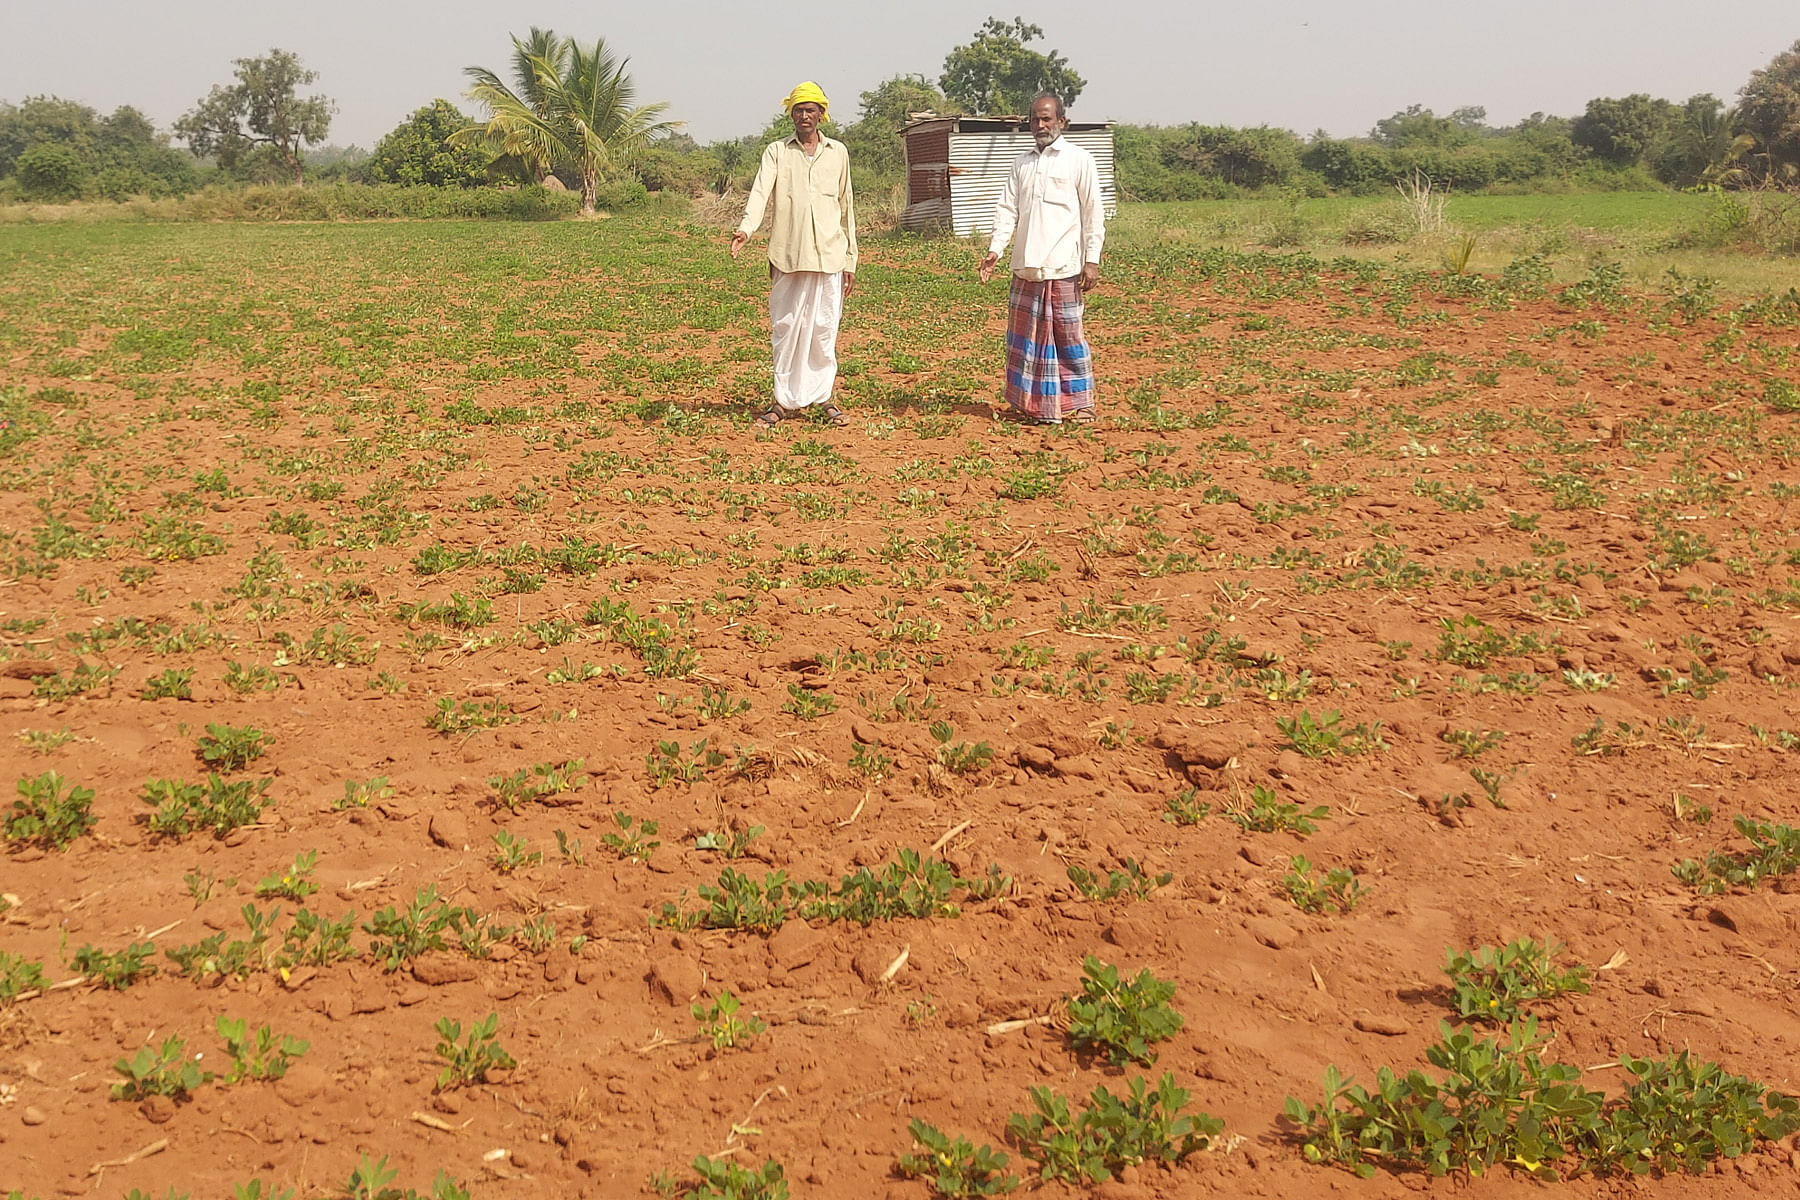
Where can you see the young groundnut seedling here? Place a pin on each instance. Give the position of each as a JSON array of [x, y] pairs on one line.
[[720, 1024], [468, 1060]]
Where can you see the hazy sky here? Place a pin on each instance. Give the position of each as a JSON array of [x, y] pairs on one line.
[[724, 64]]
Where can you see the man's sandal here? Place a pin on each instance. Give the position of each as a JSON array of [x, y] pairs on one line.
[[769, 418], [835, 416], [1083, 416]]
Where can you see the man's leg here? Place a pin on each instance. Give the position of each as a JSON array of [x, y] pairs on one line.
[[1074, 360], [804, 308], [1030, 358]]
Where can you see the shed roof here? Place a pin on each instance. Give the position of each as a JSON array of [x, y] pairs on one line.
[[992, 124]]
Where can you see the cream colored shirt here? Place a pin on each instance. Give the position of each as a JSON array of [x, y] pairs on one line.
[[814, 228], [1052, 198]]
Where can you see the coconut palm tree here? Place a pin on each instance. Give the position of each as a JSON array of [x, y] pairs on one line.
[[539, 45], [573, 108]]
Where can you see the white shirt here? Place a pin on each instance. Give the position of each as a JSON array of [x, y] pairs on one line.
[[1052, 197]]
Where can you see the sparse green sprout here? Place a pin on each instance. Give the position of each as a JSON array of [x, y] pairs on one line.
[[667, 764], [1598, 740], [295, 883], [870, 762], [1468, 743], [468, 1060], [732, 844], [1584, 680], [1327, 736], [1498, 983], [259, 1053], [537, 934], [1338, 888], [360, 793], [721, 1179], [231, 747], [182, 808], [955, 1167], [959, 758], [372, 1180], [43, 741], [1498, 1102], [1774, 852], [49, 812], [721, 705], [452, 716], [1092, 1145], [720, 1024], [118, 970], [1186, 807], [511, 855], [1266, 812], [1132, 881], [635, 839], [806, 704], [18, 975], [172, 684], [166, 1070], [1118, 1018], [246, 679], [538, 781]]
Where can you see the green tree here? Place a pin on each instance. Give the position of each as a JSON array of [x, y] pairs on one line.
[[418, 151], [1248, 157], [1768, 112], [997, 72], [116, 156], [1624, 131], [52, 171], [874, 140], [40, 119], [261, 109], [729, 159], [540, 45], [574, 110], [1417, 125], [678, 164], [1700, 146]]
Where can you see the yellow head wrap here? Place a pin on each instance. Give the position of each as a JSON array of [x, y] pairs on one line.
[[803, 93]]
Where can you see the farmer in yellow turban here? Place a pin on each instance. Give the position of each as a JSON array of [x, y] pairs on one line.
[[812, 255]]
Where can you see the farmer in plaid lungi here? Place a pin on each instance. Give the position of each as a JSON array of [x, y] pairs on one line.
[[1052, 200]]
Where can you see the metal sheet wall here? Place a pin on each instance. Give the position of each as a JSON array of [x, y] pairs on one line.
[[979, 163]]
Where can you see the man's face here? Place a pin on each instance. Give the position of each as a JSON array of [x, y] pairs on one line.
[[807, 116], [1046, 126]]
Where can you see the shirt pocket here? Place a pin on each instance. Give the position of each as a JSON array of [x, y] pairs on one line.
[[1060, 192]]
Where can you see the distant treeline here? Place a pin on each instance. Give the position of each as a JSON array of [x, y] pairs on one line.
[[59, 150], [1636, 142]]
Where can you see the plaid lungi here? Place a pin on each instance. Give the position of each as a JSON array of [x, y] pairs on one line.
[[1049, 372]]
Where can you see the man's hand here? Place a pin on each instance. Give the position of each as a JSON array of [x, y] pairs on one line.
[[988, 262], [737, 242], [849, 283], [1090, 275]]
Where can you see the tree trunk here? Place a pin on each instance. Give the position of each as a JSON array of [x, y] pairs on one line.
[[590, 189], [294, 162]]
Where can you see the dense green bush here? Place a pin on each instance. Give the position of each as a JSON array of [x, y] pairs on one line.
[[51, 171], [351, 201], [418, 151], [621, 194], [343, 202], [54, 149]]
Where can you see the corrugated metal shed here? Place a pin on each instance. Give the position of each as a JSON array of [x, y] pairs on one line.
[[956, 166]]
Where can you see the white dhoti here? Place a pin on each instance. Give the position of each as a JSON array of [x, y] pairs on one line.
[[804, 307]]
